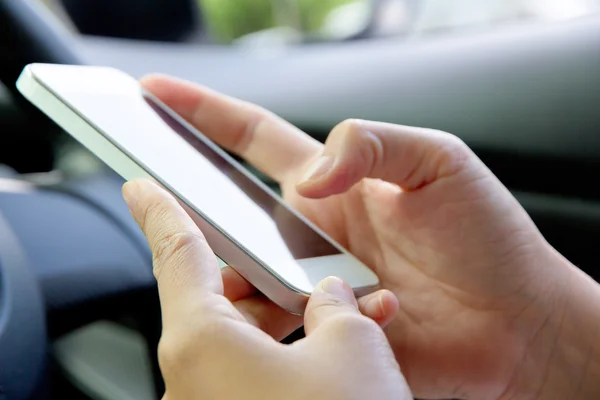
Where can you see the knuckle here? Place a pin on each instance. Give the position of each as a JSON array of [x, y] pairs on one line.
[[452, 153], [448, 141], [349, 123], [198, 339], [367, 145], [258, 117], [173, 246], [175, 354], [348, 128], [453, 142]]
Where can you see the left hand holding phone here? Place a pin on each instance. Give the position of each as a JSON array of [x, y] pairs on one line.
[[218, 344]]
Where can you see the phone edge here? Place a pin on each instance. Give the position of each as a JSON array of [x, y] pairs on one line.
[[289, 298]]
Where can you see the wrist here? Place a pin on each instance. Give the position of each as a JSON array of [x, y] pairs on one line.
[[562, 359]]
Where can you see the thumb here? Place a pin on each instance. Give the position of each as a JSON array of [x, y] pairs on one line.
[[332, 297], [407, 156], [343, 340]]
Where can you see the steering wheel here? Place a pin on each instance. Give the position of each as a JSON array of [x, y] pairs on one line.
[[70, 253]]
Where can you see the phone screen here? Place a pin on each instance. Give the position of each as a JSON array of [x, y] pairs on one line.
[[244, 221], [301, 240], [140, 136]]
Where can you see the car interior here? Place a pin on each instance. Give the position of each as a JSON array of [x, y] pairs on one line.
[[79, 313]]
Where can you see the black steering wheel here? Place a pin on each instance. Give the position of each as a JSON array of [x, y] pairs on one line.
[[70, 253]]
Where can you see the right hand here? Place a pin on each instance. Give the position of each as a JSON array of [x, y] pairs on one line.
[[478, 286]]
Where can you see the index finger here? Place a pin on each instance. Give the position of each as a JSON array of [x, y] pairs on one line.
[[185, 267], [269, 143]]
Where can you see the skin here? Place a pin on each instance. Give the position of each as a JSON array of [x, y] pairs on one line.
[[209, 349], [478, 305]]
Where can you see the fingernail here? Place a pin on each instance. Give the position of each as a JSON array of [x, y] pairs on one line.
[[374, 307], [338, 288], [319, 169]]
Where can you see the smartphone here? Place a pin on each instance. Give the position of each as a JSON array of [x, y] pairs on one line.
[[246, 224]]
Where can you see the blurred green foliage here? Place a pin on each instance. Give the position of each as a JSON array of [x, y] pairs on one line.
[[231, 19], [314, 12]]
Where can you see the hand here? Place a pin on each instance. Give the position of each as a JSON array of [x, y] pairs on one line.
[[209, 350], [480, 290]]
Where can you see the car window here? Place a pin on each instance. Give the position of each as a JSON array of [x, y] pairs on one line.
[[273, 22], [277, 21]]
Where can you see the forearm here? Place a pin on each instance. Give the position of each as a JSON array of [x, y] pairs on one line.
[[564, 358]]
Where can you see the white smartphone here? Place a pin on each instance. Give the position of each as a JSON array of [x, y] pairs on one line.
[[246, 224]]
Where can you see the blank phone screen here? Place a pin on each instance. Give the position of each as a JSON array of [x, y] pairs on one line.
[[139, 137], [301, 240], [203, 176]]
